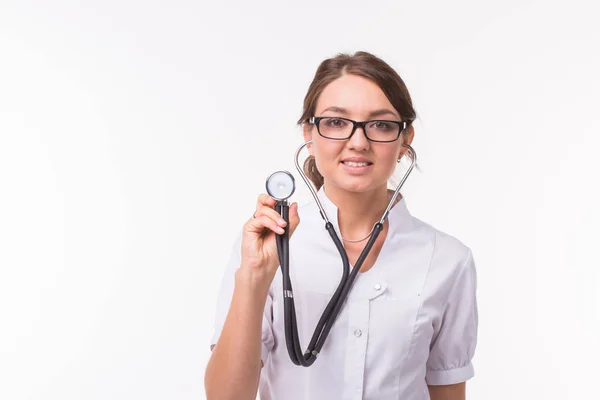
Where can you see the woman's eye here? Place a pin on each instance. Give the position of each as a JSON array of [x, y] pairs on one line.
[[336, 123], [382, 125], [379, 125]]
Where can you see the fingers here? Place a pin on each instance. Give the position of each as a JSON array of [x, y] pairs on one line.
[[265, 216], [271, 213], [266, 206], [265, 200], [259, 224]]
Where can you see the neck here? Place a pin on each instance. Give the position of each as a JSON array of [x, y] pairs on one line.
[[358, 211]]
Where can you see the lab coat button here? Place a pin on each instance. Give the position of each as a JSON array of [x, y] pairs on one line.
[[357, 333], [377, 287]]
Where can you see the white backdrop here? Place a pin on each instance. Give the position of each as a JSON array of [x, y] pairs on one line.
[[135, 137]]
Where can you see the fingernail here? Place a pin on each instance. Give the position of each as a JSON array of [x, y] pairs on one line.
[[282, 221], [281, 230]]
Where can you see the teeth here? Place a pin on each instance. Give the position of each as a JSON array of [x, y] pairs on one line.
[[356, 164]]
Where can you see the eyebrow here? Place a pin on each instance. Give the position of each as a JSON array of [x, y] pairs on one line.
[[376, 113]]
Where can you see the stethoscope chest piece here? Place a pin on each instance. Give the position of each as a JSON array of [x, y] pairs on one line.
[[281, 185]]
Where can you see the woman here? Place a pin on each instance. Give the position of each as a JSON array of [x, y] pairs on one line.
[[409, 325]]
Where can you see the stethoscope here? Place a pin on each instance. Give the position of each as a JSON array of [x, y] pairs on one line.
[[281, 186]]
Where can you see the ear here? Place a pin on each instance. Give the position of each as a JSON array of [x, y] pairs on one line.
[[307, 132], [407, 138]]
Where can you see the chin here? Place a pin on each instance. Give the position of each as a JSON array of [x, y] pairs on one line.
[[355, 185]]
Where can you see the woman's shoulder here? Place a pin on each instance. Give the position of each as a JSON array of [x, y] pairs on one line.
[[445, 260], [445, 245]]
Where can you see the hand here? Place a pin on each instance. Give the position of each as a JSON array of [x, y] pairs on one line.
[[259, 249]]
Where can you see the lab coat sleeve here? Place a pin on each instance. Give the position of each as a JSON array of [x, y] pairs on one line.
[[454, 342], [224, 300]]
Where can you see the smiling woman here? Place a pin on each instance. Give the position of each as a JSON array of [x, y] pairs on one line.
[[408, 328], [354, 96]]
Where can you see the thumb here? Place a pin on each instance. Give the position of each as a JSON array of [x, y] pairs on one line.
[[294, 217]]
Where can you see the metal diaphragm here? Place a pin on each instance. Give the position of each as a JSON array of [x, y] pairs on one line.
[[280, 185]]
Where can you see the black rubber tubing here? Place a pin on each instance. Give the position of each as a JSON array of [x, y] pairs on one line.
[[337, 300]]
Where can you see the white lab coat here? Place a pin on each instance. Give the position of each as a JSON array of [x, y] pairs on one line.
[[409, 321]]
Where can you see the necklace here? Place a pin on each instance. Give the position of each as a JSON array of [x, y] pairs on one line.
[[359, 240]]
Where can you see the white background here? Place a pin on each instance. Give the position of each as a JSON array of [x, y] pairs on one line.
[[135, 137]]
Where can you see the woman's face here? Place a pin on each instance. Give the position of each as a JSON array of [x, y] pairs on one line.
[[359, 99]]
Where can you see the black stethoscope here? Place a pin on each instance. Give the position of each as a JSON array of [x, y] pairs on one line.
[[280, 186]]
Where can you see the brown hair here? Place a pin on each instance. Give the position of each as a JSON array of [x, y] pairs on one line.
[[362, 64]]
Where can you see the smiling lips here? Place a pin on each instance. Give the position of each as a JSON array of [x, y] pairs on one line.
[[356, 165], [356, 161]]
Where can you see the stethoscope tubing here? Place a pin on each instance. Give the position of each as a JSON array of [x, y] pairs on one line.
[[337, 300]]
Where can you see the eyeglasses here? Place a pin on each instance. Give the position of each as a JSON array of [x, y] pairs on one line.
[[337, 128]]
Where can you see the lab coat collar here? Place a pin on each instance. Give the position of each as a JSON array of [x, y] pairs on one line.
[[399, 217]]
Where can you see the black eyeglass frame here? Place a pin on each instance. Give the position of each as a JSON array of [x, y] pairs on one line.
[[362, 124]]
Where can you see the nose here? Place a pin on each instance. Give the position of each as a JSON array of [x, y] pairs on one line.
[[358, 141]]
